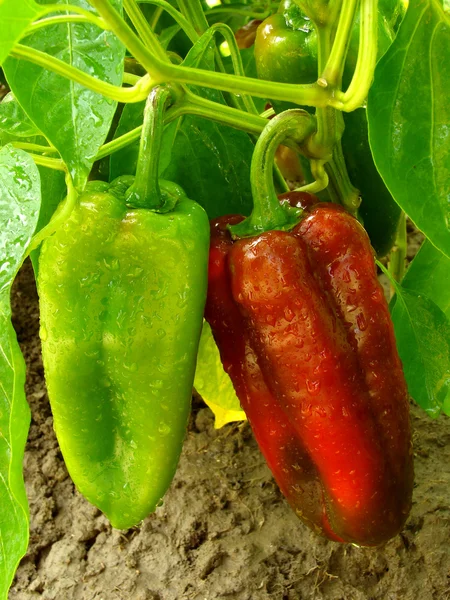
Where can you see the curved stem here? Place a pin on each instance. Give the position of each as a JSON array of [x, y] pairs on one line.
[[193, 11], [155, 17], [236, 60], [145, 191], [320, 178], [144, 30], [133, 94], [151, 61], [60, 216], [267, 211], [334, 67], [341, 188], [358, 89], [130, 78], [57, 19], [176, 16], [308, 94]]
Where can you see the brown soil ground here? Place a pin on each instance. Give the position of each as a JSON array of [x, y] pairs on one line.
[[224, 530]]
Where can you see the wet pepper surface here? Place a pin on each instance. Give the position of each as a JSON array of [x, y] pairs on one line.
[[305, 335]]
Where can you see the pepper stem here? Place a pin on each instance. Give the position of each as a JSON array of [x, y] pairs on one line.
[[145, 191], [268, 213]]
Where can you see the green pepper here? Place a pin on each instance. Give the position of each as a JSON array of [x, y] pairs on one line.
[[286, 51], [286, 47], [122, 294]]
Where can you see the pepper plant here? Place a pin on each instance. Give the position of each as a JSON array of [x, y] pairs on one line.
[[125, 127]]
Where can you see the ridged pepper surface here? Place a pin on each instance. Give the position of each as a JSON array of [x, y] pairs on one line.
[[304, 333], [122, 294]]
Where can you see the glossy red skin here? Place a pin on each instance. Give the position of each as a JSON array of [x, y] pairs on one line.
[[284, 452], [335, 372], [305, 334]]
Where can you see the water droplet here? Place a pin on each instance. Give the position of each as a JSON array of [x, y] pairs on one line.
[[361, 322], [313, 387], [164, 428]]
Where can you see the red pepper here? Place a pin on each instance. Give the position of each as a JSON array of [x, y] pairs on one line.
[[304, 332]]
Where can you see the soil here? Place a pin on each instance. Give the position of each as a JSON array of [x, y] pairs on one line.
[[224, 530]]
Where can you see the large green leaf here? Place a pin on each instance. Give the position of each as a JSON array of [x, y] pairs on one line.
[[15, 16], [422, 332], [429, 274], [53, 185], [409, 115], [19, 212], [74, 119]]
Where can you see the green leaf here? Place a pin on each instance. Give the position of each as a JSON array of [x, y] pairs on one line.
[[422, 332], [14, 120], [429, 274], [15, 16], [74, 119], [409, 116], [213, 384], [209, 160], [19, 211]]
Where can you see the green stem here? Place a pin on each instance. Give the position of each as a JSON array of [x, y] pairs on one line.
[[34, 147], [144, 30], [341, 188], [236, 60], [202, 108], [193, 11], [358, 89], [51, 163], [239, 12], [145, 191], [132, 94], [176, 16], [268, 213], [334, 66], [325, 137], [320, 175], [150, 59], [60, 216], [57, 19], [398, 253], [156, 16], [308, 95], [196, 105], [130, 78]]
